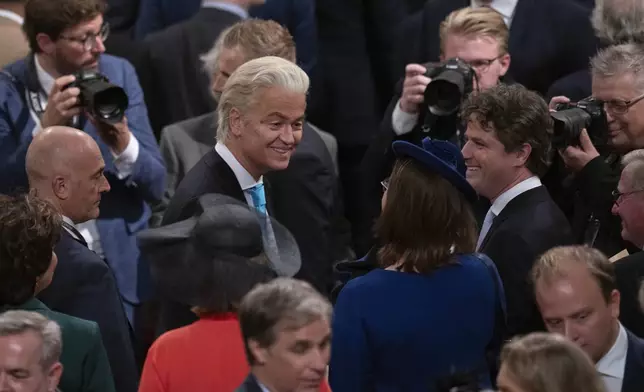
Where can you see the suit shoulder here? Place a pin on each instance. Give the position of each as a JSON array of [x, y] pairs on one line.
[[77, 327]]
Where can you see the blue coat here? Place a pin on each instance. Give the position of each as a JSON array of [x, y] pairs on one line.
[[298, 16], [125, 209], [634, 369], [398, 331]]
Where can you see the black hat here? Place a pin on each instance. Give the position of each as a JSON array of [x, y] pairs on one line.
[[218, 254]]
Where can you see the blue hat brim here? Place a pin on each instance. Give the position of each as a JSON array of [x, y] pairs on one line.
[[432, 162]]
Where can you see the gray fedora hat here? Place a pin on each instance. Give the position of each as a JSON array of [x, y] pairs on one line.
[[220, 252]]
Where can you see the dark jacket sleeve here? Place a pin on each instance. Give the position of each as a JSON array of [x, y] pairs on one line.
[[97, 374], [304, 30]]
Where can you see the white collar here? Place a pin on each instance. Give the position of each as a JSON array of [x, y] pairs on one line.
[[232, 8], [504, 7], [245, 180], [614, 362], [12, 16], [45, 79], [507, 196]]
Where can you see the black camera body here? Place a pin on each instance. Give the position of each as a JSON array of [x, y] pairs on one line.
[[105, 101], [571, 118], [452, 82]]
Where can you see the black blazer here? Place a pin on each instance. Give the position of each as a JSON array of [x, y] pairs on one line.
[[84, 287], [634, 369], [629, 272], [548, 39], [529, 225], [175, 86], [249, 385]]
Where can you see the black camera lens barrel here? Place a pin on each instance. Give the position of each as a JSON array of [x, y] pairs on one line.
[[105, 101]]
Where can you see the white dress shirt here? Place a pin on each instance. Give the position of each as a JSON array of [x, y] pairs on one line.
[[11, 16], [502, 200], [611, 366], [123, 162], [232, 8], [403, 122]]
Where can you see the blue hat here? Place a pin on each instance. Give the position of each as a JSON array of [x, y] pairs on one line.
[[441, 157]]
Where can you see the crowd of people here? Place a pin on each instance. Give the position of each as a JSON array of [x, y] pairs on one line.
[[330, 195]]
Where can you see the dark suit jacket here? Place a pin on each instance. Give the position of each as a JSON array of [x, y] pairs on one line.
[[529, 225], [629, 272], [85, 364], [548, 39], [576, 86], [122, 14], [249, 385], [84, 287], [634, 369], [175, 86]]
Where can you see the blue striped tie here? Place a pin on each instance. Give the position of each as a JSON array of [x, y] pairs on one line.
[[259, 198]]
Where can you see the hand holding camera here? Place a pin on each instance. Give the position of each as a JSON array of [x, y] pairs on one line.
[[62, 104], [414, 88]]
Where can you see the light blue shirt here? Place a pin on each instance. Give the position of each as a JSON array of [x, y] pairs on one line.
[[232, 8]]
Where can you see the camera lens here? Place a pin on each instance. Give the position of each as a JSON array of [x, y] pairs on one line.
[[110, 104], [444, 93]]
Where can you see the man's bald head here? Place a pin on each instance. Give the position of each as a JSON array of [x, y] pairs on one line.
[[54, 152], [65, 166]]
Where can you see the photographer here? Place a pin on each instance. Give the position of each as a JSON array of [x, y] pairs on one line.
[[617, 83], [41, 91], [478, 37]]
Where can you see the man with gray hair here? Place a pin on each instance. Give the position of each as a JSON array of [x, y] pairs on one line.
[[286, 329], [629, 206], [30, 348]]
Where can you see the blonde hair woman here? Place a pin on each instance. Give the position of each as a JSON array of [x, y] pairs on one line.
[[542, 362]]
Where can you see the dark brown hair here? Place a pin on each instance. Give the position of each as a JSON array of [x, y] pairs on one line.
[[29, 230], [52, 17], [424, 217], [518, 116]]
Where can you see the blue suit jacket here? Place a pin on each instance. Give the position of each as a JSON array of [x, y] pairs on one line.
[[125, 209], [634, 370], [298, 16]]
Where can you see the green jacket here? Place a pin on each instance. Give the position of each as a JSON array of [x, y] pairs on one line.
[[85, 364]]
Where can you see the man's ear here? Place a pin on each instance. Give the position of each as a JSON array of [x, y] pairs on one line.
[[522, 154], [505, 64], [235, 122], [45, 43], [260, 354], [615, 299], [61, 187], [53, 377]]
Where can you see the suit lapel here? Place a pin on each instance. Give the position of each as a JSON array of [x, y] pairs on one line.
[[634, 369], [517, 204], [249, 385], [226, 177]]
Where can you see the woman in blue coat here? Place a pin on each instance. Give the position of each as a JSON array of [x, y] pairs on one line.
[[427, 315]]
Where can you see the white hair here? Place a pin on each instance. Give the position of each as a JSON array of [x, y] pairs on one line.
[[634, 163], [15, 322], [210, 59], [619, 60], [240, 91], [619, 21]]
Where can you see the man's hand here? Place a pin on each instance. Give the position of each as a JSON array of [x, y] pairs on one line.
[[62, 103], [556, 100], [413, 88], [576, 158], [116, 136]]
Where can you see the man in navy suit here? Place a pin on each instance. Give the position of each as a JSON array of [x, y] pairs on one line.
[[33, 97], [66, 168], [577, 296]]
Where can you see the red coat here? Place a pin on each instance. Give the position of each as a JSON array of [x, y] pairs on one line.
[[205, 356]]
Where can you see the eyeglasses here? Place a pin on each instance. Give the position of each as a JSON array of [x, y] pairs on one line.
[[89, 41], [385, 184], [618, 106], [617, 195], [482, 65]]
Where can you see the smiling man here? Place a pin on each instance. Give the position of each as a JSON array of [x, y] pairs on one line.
[[508, 147]]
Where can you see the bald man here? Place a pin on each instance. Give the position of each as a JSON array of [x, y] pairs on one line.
[[65, 167]]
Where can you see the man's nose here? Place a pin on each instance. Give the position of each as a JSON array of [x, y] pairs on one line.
[[466, 150], [570, 331], [99, 47], [287, 136], [106, 185]]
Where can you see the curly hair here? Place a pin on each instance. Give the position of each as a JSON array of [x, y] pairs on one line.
[[53, 17], [29, 230], [518, 116]]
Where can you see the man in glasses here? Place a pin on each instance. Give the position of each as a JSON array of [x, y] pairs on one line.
[[65, 37], [629, 206]]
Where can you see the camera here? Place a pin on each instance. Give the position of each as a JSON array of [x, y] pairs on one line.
[[570, 118], [452, 82], [105, 101]]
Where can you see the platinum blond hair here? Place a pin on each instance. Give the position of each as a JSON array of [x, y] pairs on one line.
[[243, 86], [619, 60], [15, 322], [633, 162], [619, 21]]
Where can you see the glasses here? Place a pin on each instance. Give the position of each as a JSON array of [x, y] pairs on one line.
[[482, 65], [89, 41], [385, 184], [618, 106], [617, 195]]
